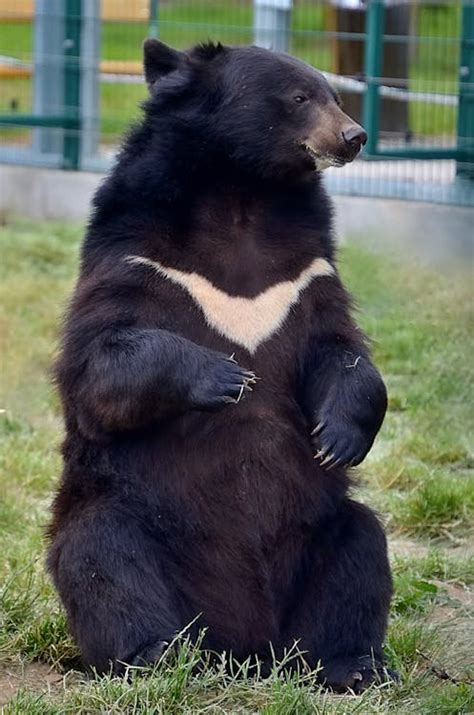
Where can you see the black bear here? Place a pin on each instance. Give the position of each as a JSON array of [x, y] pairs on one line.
[[215, 386]]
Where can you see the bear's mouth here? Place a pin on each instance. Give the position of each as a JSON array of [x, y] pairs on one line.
[[323, 161]]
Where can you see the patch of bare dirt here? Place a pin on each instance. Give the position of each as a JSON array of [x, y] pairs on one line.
[[34, 676], [455, 618], [454, 610], [406, 548]]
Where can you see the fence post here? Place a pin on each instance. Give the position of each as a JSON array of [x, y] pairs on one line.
[[272, 24], [48, 76], [89, 83], [465, 128], [153, 26], [72, 83], [373, 54]]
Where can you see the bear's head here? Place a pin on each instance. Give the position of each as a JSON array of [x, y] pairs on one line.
[[267, 112]]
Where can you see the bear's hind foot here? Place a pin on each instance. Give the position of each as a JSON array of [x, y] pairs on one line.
[[150, 654], [355, 673]]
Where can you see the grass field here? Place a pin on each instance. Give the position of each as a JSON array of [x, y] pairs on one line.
[[433, 61], [419, 475]]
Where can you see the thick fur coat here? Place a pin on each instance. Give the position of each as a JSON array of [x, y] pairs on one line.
[[215, 386]]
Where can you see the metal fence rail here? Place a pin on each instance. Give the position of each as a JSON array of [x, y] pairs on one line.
[[70, 79]]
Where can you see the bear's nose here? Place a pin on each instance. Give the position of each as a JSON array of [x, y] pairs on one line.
[[355, 137]]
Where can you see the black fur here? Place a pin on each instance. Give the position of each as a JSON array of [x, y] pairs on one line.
[[174, 501]]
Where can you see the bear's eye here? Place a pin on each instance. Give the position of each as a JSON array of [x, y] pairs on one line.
[[300, 98]]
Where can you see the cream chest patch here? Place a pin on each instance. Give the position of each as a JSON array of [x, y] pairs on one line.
[[246, 321]]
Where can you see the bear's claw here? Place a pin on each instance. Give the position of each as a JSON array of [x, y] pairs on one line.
[[327, 459], [318, 428], [223, 381]]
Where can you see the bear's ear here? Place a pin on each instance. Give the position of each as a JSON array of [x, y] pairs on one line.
[[159, 60]]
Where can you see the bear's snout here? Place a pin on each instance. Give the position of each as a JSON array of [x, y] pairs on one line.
[[335, 139]]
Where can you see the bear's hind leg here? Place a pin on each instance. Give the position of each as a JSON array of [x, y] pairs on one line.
[[110, 578], [341, 617]]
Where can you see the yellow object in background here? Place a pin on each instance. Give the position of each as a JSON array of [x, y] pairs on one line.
[[110, 9]]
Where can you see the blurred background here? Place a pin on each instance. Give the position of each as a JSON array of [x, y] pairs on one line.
[[70, 74]]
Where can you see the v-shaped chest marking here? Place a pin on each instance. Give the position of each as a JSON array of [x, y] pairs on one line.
[[245, 321]]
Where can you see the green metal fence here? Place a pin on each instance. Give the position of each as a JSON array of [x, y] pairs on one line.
[[70, 79]]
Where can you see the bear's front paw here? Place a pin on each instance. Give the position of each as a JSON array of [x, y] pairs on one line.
[[221, 381], [348, 421], [340, 442]]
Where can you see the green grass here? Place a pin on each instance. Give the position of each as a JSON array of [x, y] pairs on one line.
[[419, 474], [433, 63], [422, 325]]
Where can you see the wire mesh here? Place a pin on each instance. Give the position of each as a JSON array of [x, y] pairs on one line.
[[419, 152]]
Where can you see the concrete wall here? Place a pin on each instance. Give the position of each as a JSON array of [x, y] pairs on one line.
[[430, 232], [46, 193], [438, 234]]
